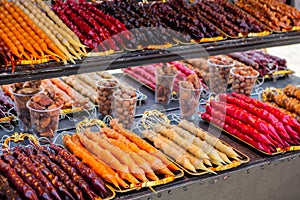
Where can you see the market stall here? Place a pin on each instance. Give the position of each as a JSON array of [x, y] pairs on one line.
[[148, 151]]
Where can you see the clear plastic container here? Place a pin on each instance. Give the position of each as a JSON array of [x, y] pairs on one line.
[[243, 84], [219, 75], [44, 123], [189, 101], [123, 108], [22, 111], [163, 88], [105, 90]]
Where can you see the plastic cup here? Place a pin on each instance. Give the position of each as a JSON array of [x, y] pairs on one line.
[[22, 111], [123, 108], [189, 101], [105, 90], [243, 84], [219, 75], [163, 88], [44, 123]]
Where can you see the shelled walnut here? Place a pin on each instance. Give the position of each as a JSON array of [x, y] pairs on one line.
[[44, 113]]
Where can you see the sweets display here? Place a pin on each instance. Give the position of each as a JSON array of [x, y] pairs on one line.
[[256, 123], [145, 74], [44, 112], [31, 33], [113, 26], [275, 14], [228, 18], [96, 30], [140, 21], [72, 99], [49, 173], [201, 67], [86, 84], [119, 156], [264, 63], [162, 16], [191, 147], [243, 79], [55, 42], [287, 98]]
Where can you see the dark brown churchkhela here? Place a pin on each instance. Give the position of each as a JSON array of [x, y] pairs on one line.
[[275, 14], [77, 179], [139, 24], [63, 190], [85, 171], [21, 186], [25, 161], [161, 16], [227, 17], [47, 172], [6, 191], [28, 177], [264, 63], [57, 171]]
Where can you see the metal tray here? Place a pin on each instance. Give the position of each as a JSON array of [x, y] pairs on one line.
[[15, 138], [174, 120], [163, 179], [278, 150]]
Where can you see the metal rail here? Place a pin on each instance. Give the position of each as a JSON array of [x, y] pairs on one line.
[[143, 57]]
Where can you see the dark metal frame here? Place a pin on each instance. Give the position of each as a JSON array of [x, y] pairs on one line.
[[143, 57]]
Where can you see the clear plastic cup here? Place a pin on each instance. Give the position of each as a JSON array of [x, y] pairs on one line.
[[243, 84], [219, 75], [123, 108], [22, 111], [163, 88], [44, 123], [105, 90], [189, 101]]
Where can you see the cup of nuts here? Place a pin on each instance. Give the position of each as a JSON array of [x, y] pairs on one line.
[[22, 92], [219, 69], [243, 79], [189, 99], [124, 106], [44, 113], [165, 76], [105, 90]]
